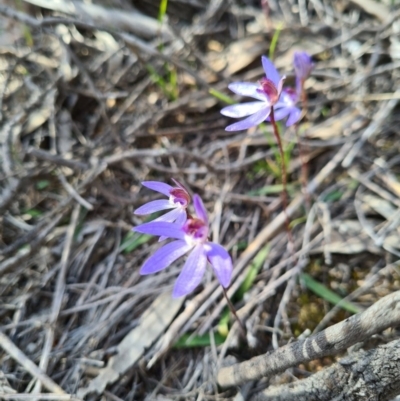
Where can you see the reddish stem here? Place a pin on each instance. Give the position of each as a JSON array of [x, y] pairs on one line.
[[284, 176], [233, 310], [304, 171], [304, 165]]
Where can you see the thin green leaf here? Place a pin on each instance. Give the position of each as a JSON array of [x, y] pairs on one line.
[[33, 212], [42, 184], [325, 293], [162, 10], [333, 196], [274, 41], [190, 341], [255, 267], [134, 240], [266, 190], [221, 96], [223, 324]]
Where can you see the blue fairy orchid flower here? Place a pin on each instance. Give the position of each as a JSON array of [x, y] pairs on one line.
[[303, 65], [286, 107], [193, 237], [178, 200], [267, 93]]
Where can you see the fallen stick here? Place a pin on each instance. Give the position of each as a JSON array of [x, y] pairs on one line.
[[366, 376], [381, 315]]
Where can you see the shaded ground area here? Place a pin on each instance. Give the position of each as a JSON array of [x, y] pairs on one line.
[[96, 98]]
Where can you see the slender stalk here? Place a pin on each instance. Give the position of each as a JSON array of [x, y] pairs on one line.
[[304, 170], [233, 310], [304, 164], [284, 177]]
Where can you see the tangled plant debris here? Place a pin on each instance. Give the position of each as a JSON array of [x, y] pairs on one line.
[[96, 99]]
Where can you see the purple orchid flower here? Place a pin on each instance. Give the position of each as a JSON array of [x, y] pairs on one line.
[[303, 65], [179, 199], [267, 93], [286, 107], [192, 236]]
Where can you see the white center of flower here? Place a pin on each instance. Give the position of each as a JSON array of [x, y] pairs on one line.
[[196, 232]]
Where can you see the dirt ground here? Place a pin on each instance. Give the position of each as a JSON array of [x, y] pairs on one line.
[[96, 97]]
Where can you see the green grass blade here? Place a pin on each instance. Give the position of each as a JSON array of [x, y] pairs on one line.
[[325, 293], [162, 10], [190, 341], [274, 41], [221, 96], [266, 190], [133, 240], [255, 267]]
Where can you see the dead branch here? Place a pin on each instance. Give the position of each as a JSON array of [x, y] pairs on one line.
[[367, 376], [381, 315]]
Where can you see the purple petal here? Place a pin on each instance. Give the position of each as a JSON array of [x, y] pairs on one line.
[[243, 109], [192, 272], [281, 113], [288, 97], [158, 187], [201, 211], [303, 65], [246, 89], [161, 229], [164, 257], [177, 215], [251, 121], [171, 216], [295, 115], [270, 70], [154, 206], [221, 263], [182, 217]]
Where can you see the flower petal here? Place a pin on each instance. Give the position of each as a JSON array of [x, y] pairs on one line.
[[177, 215], [270, 70], [221, 263], [161, 228], [164, 256], [281, 113], [157, 186], [182, 217], [303, 65], [288, 97], [247, 89], [201, 211], [243, 109], [251, 121], [192, 272], [295, 115], [280, 85], [169, 217], [154, 206]]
